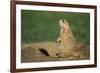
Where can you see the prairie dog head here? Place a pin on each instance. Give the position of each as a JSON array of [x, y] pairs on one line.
[[63, 22]]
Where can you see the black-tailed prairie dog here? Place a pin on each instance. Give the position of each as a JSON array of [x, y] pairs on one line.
[[66, 40]]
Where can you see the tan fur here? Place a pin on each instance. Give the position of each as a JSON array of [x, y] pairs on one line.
[[67, 40]]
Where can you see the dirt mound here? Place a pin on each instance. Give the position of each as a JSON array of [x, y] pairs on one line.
[[31, 53]]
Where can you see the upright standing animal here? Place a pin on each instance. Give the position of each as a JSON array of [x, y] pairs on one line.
[[66, 42]]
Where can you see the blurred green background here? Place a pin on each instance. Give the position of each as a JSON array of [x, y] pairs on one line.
[[38, 26]]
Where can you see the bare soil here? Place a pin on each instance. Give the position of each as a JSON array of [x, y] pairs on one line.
[[31, 53]]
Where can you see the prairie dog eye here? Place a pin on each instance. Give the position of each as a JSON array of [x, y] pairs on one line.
[[63, 20]]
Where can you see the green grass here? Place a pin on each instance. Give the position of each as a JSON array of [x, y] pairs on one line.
[[38, 26]]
